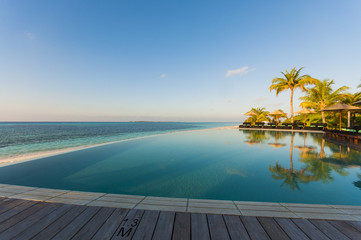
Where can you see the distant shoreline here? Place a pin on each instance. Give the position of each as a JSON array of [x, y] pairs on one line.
[[5, 161]]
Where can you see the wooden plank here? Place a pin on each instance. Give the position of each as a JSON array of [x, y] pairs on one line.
[[108, 229], [182, 226], [199, 226], [254, 228], [272, 228], [43, 223], [164, 227], [147, 225], [291, 229], [94, 224], [51, 230], [33, 218], [15, 210], [217, 227], [235, 227], [9, 204], [356, 225], [346, 229], [129, 225], [311, 230], [22, 215], [69, 231], [331, 232]]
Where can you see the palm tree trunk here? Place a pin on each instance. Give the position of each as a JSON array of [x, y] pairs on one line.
[[291, 105], [323, 117], [291, 151], [322, 152]]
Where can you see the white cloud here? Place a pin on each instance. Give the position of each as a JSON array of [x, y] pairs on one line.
[[240, 71], [163, 75], [30, 35]]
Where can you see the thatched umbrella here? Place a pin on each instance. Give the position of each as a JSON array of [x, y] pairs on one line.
[[340, 107], [305, 112], [277, 114], [250, 113]]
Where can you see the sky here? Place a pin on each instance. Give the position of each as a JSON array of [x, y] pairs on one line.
[[168, 60]]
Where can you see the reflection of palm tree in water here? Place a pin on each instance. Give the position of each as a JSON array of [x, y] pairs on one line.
[[305, 148], [255, 136], [322, 151], [319, 169], [277, 135], [290, 177]]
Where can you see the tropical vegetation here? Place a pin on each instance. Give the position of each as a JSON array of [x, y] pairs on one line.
[[322, 95], [291, 81], [318, 95]]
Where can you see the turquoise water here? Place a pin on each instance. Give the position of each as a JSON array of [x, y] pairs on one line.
[[212, 164], [29, 137]]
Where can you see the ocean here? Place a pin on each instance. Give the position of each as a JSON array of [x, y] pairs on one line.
[[21, 138]]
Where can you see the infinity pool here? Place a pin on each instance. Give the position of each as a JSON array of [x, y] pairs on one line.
[[223, 164]]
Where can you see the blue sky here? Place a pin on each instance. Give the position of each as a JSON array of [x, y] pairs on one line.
[[167, 60]]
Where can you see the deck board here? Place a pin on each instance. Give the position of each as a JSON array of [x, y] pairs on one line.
[[24, 219], [164, 227], [16, 210], [199, 226], [346, 229], [21, 215], [254, 228], [108, 229], [292, 230], [182, 226], [236, 228], [147, 225], [41, 224], [53, 229], [329, 230], [356, 225], [9, 204], [217, 227], [311, 230], [129, 225], [34, 217], [89, 230], [74, 226], [272, 228]]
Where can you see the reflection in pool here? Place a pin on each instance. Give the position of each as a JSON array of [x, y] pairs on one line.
[[245, 165]]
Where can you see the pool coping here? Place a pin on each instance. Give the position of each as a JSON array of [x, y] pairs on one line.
[[227, 207]]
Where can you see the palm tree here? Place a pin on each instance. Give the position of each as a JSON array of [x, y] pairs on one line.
[[350, 99], [292, 80], [261, 115], [322, 96]]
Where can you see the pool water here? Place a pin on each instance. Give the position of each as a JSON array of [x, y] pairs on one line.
[[227, 164]]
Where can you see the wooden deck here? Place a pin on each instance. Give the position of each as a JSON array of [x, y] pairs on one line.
[[23, 219]]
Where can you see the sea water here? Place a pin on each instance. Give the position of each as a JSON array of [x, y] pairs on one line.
[[18, 138]]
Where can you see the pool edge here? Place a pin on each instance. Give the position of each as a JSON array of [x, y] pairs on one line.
[[241, 208]]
